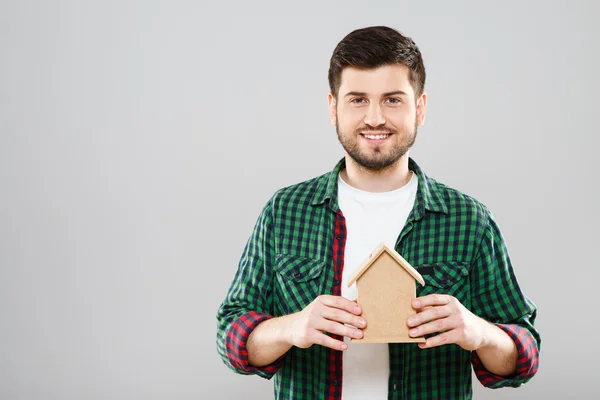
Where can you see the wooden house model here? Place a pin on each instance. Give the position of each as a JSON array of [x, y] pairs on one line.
[[386, 286]]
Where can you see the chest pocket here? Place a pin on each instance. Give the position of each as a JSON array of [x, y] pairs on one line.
[[299, 280], [447, 277]]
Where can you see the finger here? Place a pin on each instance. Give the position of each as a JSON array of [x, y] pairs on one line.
[[439, 325], [338, 315], [341, 303], [431, 300], [327, 341], [429, 314], [440, 340], [423, 308], [339, 329]]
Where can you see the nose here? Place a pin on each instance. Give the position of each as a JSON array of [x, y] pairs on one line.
[[374, 116]]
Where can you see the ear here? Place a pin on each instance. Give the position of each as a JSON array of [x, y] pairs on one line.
[[332, 109], [421, 109]]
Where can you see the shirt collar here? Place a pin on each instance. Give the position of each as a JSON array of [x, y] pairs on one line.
[[428, 194]]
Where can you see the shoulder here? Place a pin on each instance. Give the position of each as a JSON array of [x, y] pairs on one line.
[[460, 204], [299, 194]]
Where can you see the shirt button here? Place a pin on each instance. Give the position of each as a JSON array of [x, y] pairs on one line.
[[338, 237], [334, 382], [297, 275], [336, 282]]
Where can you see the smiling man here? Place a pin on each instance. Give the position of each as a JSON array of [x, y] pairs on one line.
[[289, 312]]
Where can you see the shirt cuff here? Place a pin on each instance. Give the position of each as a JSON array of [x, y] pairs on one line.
[[237, 352], [527, 360]]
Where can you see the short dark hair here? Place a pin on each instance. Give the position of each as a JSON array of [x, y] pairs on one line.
[[374, 47]]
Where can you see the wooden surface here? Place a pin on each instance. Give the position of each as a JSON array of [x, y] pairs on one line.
[[385, 292], [390, 340], [366, 264]]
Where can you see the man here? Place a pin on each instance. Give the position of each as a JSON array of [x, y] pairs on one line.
[[289, 313]]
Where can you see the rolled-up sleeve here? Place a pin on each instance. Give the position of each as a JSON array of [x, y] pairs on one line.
[[248, 301], [527, 360], [498, 298]]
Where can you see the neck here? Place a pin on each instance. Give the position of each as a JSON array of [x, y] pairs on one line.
[[391, 178]]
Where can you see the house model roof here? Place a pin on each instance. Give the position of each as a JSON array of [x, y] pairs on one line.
[[375, 255]]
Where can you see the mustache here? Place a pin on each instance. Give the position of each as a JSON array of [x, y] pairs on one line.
[[384, 129]]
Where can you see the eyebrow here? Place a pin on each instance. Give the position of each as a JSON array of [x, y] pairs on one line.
[[395, 92]]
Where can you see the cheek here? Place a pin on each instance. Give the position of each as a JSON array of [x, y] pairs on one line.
[[402, 119], [350, 119]]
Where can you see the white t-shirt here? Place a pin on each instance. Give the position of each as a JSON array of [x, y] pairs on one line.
[[370, 219]]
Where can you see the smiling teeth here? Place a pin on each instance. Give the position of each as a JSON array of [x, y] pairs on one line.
[[376, 136]]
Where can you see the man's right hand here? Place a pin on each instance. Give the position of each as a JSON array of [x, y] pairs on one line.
[[325, 314]]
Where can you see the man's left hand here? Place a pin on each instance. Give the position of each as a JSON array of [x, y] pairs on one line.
[[445, 315]]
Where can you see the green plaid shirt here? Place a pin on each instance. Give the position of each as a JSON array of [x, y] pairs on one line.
[[296, 252]]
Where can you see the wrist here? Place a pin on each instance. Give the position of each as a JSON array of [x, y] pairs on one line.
[[488, 332], [285, 330]]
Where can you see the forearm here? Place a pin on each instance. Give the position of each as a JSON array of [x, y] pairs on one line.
[[498, 352], [268, 341]]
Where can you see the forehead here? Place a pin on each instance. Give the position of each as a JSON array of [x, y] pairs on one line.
[[387, 78]]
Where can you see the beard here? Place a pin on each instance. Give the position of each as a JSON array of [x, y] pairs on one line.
[[376, 159]]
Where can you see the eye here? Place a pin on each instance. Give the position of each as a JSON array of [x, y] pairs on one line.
[[394, 100], [357, 100]]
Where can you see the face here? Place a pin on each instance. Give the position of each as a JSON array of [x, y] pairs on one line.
[[376, 115]]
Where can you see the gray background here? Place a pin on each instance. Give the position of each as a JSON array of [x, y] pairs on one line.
[[139, 141]]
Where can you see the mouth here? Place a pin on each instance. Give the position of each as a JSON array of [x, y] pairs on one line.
[[376, 137]]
